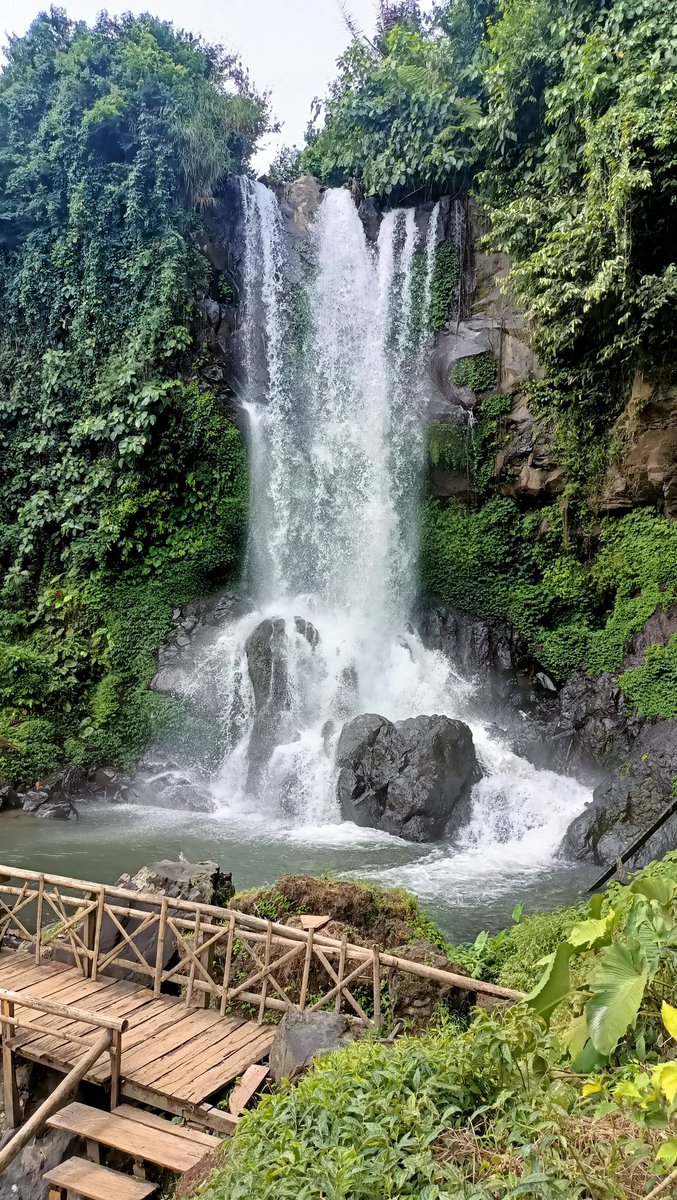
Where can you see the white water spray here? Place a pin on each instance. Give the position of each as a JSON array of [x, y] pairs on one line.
[[336, 415]]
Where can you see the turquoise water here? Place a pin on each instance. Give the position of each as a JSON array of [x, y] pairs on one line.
[[108, 841]]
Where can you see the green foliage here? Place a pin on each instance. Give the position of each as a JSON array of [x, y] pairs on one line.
[[401, 116], [582, 172], [272, 906], [498, 562], [35, 749], [629, 965], [446, 274], [363, 1125], [652, 688], [449, 446], [478, 372], [285, 167], [115, 466]]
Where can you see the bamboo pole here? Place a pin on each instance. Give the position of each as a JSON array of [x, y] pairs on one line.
[[38, 922], [11, 1091], [53, 1103], [25, 1000], [264, 980], [377, 989], [160, 947], [226, 969]]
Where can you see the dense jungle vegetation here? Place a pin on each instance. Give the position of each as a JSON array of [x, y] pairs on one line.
[[562, 120], [123, 486]]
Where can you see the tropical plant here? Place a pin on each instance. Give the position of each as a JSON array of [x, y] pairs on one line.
[[628, 964]]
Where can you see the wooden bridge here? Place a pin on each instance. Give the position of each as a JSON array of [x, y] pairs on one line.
[[162, 1002]]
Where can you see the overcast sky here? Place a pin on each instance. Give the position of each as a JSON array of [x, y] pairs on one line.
[[289, 46]]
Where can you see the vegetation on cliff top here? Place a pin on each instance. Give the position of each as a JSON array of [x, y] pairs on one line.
[[123, 487]]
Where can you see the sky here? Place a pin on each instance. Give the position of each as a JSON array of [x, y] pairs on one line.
[[289, 46]]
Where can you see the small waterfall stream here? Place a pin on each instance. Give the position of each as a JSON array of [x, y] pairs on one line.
[[335, 409]]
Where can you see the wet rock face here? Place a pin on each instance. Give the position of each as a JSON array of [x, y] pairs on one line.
[[267, 650], [194, 627], [629, 801], [643, 468], [526, 466], [267, 663], [201, 883], [164, 785], [410, 778]]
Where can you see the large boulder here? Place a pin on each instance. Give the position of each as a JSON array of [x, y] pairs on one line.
[[23, 1179], [303, 1037], [266, 649], [9, 798], [201, 883], [409, 778]]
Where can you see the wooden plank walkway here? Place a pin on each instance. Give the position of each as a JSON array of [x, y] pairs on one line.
[[173, 1055]]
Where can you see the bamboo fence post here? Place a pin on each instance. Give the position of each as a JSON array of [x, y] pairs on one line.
[[115, 1068], [264, 981], [377, 988], [306, 970], [38, 920], [341, 973], [226, 967], [11, 1091], [89, 938], [191, 973], [207, 962], [100, 906], [160, 946]]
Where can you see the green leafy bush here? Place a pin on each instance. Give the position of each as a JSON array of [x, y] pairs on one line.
[[399, 117], [498, 562], [364, 1124], [124, 484], [478, 372], [652, 688], [443, 286]]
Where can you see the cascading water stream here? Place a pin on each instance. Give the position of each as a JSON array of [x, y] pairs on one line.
[[336, 414]]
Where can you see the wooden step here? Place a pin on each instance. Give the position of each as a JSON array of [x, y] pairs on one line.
[[92, 1182], [160, 1146], [246, 1088], [146, 1118]]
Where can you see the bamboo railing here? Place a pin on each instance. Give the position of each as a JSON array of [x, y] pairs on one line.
[[215, 957], [11, 1025]]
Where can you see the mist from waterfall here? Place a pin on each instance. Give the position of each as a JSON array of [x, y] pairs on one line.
[[335, 402]]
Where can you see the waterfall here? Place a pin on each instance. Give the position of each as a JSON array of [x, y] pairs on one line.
[[334, 395]]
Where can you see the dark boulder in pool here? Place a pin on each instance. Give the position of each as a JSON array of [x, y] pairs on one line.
[[268, 650], [410, 778]]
